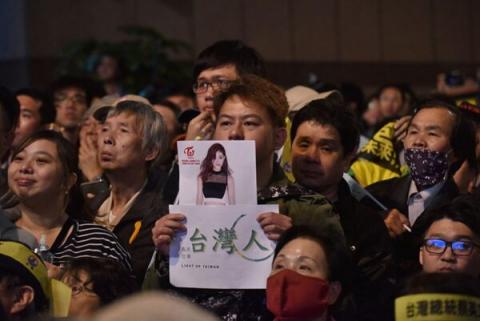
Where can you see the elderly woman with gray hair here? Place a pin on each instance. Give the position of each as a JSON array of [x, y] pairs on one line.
[[130, 143]]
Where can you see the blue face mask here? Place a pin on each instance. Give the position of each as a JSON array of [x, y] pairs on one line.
[[427, 167]]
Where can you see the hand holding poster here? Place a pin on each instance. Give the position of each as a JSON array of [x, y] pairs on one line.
[[224, 247]]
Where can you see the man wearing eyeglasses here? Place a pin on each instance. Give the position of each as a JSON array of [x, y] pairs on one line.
[[215, 69], [452, 238], [71, 98]]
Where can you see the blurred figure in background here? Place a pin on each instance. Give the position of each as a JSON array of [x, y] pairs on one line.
[[156, 306], [35, 111], [110, 71], [216, 67], [456, 83], [71, 98], [387, 104]]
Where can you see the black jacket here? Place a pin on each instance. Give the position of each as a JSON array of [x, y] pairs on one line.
[[135, 228], [393, 193], [371, 247]]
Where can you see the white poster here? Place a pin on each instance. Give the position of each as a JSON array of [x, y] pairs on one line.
[[217, 172], [224, 247]]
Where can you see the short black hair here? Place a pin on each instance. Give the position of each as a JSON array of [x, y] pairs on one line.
[[398, 87], [245, 59], [9, 108], [339, 260], [329, 112], [110, 280], [87, 85], [47, 112], [438, 282], [169, 105], [462, 139], [256, 89], [463, 209]]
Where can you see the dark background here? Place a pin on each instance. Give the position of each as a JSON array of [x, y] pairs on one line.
[[365, 41]]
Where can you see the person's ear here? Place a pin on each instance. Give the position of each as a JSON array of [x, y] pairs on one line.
[[452, 157], [280, 136], [152, 154], [72, 179], [24, 296], [334, 290], [347, 160]]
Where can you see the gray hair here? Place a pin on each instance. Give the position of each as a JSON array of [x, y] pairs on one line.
[[149, 123]]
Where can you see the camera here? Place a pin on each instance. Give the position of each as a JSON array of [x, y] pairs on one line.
[[454, 78]]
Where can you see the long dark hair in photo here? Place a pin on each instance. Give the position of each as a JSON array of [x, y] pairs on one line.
[[206, 168]]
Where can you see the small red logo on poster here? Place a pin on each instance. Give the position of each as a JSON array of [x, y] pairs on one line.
[[189, 151]]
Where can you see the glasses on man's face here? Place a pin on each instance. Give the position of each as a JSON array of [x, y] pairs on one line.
[[459, 248], [78, 288], [76, 99], [201, 86]]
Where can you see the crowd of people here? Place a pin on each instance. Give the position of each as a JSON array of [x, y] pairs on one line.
[[378, 201]]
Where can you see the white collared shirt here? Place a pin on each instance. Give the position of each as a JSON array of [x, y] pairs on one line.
[[418, 201]]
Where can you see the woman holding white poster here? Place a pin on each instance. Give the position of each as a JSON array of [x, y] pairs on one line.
[[215, 184]]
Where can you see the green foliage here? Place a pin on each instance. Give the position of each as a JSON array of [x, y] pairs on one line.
[[145, 55]]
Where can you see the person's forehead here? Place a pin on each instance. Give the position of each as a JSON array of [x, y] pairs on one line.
[[236, 106], [123, 117], [28, 102], [303, 247], [390, 91], [228, 71], [311, 128], [43, 146], [71, 90], [449, 228], [435, 116], [164, 111]]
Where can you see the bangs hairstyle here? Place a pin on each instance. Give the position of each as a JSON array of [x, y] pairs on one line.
[[206, 168], [260, 91], [328, 112], [149, 124], [339, 259], [230, 52], [66, 152]]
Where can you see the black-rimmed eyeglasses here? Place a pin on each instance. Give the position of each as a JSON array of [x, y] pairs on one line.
[[201, 86], [459, 247]]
